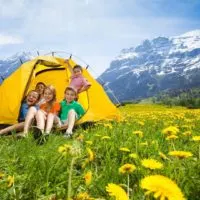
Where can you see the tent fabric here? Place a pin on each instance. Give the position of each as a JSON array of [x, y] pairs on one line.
[[54, 71]]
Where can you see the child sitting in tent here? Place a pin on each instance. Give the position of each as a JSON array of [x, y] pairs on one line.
[[78, 82], [70, 111], [29, 103], [40, 86], [47, 114]]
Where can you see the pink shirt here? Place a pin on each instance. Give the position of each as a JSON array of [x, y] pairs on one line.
[[78, 82]]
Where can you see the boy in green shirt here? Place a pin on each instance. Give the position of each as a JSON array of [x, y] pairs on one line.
[[70, 110]]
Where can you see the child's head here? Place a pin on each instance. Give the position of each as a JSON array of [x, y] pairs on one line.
[[32, 97], [70, 94], [40, 88], [50, 94], [77, 70]]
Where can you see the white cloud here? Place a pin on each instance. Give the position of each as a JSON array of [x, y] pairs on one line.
[[8, 39]]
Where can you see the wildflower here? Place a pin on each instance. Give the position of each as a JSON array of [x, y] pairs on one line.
[[139, 133], [163, 156], [151, 164], [88, 178], [180, 154], [171, 137], [90, 154], [116, 191], [83, 196], [187, 133], [10, 180], [141, 123], [105, 137], [124, 149], [162, 187], [133, 155], [64, 149], [89, 142], [196, 138], [80, 137], [171, 130], [127, 168], [108, 125]]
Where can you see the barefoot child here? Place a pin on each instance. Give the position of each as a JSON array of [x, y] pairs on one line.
[[70, 110], [29, 103], [47, 114], [78, 82]]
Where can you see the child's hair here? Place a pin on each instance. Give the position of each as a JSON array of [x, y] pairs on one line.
[[40, 83], [50, 103], [77, 67], [69, 88]]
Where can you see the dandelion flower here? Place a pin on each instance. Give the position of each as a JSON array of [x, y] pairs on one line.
[[116, 191], [88, 178], [64, 149], [10, 180], [171, 130], [171, 137], [138, 133], [80, 137], [90, 154], [124, 149], [108, 125], [83, 196], [187, 133], [180, 154], [151, 164], [105, 137], [196, 138], [127, 168], [162, 187], [133, 155]]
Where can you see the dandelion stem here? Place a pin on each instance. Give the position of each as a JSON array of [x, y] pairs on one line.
[[128, 181], [70, 179]]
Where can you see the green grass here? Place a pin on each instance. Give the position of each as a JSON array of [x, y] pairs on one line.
[[41, 172]]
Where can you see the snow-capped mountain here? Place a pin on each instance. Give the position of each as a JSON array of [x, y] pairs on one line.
[[155, 65], [9, 65]]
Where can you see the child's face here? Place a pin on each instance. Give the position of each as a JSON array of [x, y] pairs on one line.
[[48, 95], [70, 96], [77, 71], [32, 98], [40, 88]]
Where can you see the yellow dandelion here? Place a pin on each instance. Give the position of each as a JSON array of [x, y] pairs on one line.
[[89, 142], [162, 187], [124, 149], [83, 196], [171, 137], [116, 191], [90, 154], [133, 155], [196, 138], [64, 149], [108, 125], [105, 137], [141, 123], [180, 154], [151, 164], [144, 143], [138, 133], [163, 156], [127, 168], [10, 181], [88, 178], [187, 133], [171, 130], [80, 137]]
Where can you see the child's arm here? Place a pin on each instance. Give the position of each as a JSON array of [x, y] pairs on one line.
[[86, 86], [69, 66]]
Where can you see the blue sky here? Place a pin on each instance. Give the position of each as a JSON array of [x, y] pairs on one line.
[[94, 30]]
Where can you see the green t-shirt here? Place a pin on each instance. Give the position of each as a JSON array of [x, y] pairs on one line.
[[65, 108]]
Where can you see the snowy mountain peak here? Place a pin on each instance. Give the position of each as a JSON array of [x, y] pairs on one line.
[[194, 33]]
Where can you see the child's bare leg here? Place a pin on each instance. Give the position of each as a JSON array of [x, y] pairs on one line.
[[40, 118], [71, 121], [16, 127], [50, 120], [29, 118]]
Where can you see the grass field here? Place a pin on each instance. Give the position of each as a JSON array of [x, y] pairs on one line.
[[152, 152]]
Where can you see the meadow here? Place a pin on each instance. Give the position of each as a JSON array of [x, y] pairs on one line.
[[153, 152]]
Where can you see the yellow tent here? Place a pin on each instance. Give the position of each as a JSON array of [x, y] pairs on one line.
[[52, 70]]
